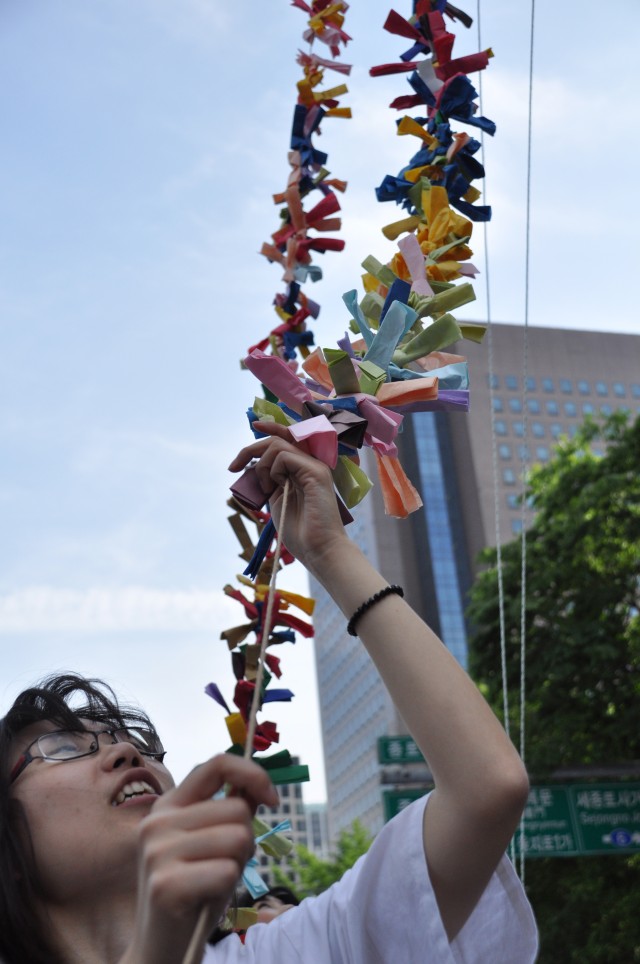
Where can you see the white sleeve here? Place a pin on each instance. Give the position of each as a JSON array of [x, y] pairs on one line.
[[384, 910]]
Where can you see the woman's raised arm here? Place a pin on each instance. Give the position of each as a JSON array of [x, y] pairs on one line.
[[480, 783]]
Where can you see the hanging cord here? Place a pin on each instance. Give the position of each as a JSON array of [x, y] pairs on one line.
[[494, 445], [523, 597], [202, 927]]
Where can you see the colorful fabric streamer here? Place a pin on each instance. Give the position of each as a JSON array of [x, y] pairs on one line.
[[403, 323], [395, 359]]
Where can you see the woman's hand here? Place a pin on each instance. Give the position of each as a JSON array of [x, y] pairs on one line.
[[313, 527], [192, 852]]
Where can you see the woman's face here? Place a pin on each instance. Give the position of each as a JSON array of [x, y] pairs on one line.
[[83, 814]]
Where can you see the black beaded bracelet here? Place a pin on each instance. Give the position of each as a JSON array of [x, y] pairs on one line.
[[371, 601]]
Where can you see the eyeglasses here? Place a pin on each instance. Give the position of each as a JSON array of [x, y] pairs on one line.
[[63, 745]]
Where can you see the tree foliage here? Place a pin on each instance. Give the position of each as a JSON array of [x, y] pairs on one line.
[[582, 645], [308, 874]]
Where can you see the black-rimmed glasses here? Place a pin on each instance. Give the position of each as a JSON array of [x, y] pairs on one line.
[[62, 745]]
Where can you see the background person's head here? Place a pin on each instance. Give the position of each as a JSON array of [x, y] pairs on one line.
[[275, 902], [60, 819]]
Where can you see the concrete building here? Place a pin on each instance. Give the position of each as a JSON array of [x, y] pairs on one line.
[[308, 827], [317, 830], [450, 457], [291, 807]]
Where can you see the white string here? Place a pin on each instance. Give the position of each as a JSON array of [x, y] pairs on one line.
[[494, 443], [523, 596], [525, 452]]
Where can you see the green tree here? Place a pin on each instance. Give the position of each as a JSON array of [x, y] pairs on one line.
[[308, 874], [582, 632]]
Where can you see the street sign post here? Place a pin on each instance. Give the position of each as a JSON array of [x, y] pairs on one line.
[[560, 819], [396, 800], [398, 749], [581, 819]]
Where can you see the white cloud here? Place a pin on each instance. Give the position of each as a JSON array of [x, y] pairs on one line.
[[126, 609]]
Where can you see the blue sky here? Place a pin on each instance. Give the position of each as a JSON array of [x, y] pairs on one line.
[[141, 143]]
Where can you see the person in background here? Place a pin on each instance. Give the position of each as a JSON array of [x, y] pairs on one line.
[[276, 901]]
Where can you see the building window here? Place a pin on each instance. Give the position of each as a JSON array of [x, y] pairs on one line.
[[552, 407], [538, 429], [635, 391], [601, 388], [518, 429], [547, 385], [606, 409], [583, 387], [515, 404], [508, 477], [516, 526], [513, 501], [497, 405], [523, 453], [501, 427], [542, 453], [618, 390], [587, 408], [505, 451], [533, 405], [556, 429], [531, 384], [511, 382], [565, 386], [570, 409], [492, 381]]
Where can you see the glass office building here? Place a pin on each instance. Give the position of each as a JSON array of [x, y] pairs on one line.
[[462, 465]]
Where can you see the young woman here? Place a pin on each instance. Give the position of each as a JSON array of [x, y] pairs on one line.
[[104, 861]]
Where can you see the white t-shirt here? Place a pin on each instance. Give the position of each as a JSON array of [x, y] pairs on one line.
[[384, 911]]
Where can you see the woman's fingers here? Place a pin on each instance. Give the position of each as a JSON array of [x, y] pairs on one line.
[[197, 885], [246, 778], [169, 844], [313, 521], [205, 814], [279, 459], [257, 448]]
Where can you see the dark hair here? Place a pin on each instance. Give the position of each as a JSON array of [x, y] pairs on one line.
[[283, 894], [66, 700]]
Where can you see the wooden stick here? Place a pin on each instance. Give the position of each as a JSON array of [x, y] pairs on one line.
[[199, 935]]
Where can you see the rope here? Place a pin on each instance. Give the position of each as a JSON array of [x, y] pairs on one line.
[[193, 954], [494, 443], [525, 453], [523, 567]]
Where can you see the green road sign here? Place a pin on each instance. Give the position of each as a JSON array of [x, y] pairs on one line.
[[548, 824], [396, 800], [607, 816], [581, 819], [560, 820], [398, 749]]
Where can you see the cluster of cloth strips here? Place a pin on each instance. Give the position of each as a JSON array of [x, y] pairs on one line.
[[395, 358]]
